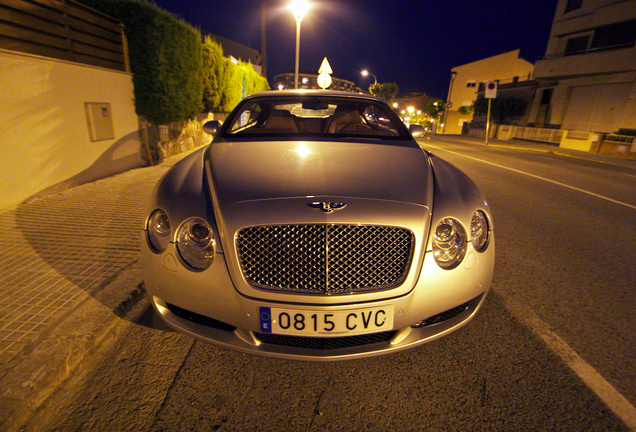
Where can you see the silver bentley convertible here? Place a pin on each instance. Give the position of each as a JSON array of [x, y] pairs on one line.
[[314, 227]]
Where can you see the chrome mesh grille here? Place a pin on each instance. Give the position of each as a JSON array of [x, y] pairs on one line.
[[325, 258]]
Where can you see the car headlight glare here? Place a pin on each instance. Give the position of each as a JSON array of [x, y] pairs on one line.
[[158, 229], [479, 232], [449, 243], [196, 243]]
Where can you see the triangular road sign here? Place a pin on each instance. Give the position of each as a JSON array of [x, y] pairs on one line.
[[325, 67]]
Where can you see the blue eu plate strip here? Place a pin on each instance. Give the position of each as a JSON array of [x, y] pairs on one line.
[[266, 319]]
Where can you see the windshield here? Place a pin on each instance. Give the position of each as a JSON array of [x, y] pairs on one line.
[[315, 116]]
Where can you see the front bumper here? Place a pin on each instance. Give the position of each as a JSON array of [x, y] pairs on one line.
[[314, 348], [206, 306]]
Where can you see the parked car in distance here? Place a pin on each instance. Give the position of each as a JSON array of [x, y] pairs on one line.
[[314, 227]]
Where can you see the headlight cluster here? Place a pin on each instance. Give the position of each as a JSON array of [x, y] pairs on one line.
[[479, 231], [159, 230], [194, 238], [450, 239], [196, 243]]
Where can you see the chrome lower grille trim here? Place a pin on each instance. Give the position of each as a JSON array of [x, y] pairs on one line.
[[325, 258]]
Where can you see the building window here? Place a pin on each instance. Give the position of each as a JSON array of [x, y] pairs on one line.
[[471, 84], [546, 96], [577, 45], [573, 5], [618, 35]]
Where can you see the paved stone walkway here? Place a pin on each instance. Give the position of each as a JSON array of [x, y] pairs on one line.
[[59, 250]]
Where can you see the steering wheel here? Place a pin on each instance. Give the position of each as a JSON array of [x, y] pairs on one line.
[[354, 127]]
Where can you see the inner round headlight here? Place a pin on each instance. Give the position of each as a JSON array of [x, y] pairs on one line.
[[449, 243], [196, 243], [158, 229], [479, 232]]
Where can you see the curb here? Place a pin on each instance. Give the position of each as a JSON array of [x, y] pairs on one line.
[[92, 324]]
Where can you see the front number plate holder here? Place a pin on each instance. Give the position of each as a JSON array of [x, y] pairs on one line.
[[331, 323]]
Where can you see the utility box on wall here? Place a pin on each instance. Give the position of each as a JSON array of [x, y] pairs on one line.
[[99, 118]]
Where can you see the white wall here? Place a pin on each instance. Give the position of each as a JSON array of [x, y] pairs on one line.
[[44, 137]]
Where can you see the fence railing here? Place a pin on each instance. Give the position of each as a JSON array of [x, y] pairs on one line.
[[620, 139], [537, 134], [63, 29]]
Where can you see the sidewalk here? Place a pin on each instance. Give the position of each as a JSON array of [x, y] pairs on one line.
[[68, 268], [69, 271]]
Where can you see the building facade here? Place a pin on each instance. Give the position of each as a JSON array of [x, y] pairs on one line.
[[587, 79], [506, 68]]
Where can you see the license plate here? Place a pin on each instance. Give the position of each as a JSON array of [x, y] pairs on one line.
[[302, 322]]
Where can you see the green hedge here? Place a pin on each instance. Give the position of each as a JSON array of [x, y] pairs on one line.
[[165, 58], [226, 83], [175, 74], [213, 66]]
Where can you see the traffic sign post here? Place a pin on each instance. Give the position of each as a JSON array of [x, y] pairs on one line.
[[490, 94]]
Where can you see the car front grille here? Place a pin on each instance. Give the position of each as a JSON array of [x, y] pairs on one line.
[[325, 258], [317, 343]]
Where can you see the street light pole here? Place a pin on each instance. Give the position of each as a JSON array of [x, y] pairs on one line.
[[366, 72], [297, 53], [299, 7], [450, 92]]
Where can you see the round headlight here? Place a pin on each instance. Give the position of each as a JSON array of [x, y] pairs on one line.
[[158, 229], [196, 243], [479, 232], [449, 243]]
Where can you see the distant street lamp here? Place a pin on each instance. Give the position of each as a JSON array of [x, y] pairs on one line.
[[299, 7], [448, 100], [366, 72]]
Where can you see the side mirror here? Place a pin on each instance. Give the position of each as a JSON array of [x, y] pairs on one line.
[[416, 130], [211, 127]]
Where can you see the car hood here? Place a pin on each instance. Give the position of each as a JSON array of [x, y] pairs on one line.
[[266, 170]]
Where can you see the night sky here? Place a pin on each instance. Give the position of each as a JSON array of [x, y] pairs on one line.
[[412, 43]]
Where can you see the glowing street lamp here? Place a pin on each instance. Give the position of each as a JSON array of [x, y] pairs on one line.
[[366, 72], [298, 7]]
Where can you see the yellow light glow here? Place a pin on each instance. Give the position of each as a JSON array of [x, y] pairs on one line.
[[299, 7], [302, 150]]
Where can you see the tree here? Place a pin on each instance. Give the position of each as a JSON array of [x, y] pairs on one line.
[[385, 91], [466, 109], [433, 107]]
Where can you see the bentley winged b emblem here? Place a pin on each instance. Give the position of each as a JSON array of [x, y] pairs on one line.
[[327, 207]]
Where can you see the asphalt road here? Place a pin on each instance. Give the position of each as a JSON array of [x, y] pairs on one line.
[[552, 349]]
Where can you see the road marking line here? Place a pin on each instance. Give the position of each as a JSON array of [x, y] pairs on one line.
[[541, 178], [614, 400]]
